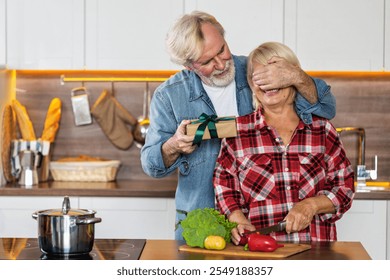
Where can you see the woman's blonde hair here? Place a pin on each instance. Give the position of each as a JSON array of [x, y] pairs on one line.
[[184, 40], [263, 53]]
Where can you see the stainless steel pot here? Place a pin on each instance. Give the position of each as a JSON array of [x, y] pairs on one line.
[[66, 231]]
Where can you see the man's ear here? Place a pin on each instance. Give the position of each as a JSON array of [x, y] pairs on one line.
[[189, 66]]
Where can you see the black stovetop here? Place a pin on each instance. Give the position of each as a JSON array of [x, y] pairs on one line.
[[103, 249]]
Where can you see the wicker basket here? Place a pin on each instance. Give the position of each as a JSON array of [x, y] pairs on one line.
[[88, 171]]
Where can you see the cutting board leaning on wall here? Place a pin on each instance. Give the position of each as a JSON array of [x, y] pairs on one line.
[[7, 93]]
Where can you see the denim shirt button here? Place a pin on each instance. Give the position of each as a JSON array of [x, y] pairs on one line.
[[184, 168]]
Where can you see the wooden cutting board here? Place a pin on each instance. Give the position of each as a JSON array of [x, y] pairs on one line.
[[233, 250], [8, 133]]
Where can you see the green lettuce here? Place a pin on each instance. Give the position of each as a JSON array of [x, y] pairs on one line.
[[203, 222]]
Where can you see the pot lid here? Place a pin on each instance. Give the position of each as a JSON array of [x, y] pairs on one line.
[[66, 210], [72, 212]]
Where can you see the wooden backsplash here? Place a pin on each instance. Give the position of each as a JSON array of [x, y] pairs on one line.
[[362, 101], [36, 92]]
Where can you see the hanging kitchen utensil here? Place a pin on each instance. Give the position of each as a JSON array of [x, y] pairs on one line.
[[80, 105], [142, 126]]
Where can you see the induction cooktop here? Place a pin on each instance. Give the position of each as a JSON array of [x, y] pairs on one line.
[[103, 249]]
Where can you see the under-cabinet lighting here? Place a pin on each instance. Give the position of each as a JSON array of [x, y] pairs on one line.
[[110, 79]]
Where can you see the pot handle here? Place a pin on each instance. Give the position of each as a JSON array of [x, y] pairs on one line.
[[35, 215], [87, 221]]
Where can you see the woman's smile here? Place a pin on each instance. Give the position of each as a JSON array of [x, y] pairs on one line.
[[271, 92]]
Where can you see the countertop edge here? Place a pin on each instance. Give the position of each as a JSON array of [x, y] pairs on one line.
[[125, 188], [132, 188], [373, 195]]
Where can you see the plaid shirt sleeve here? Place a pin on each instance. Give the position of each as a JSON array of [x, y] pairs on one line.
[[340, 176], [226, 184]]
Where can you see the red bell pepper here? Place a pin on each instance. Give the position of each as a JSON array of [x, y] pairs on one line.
[[262, 243], [243, 240]]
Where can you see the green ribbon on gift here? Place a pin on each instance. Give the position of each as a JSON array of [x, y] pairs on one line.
[[208, 121]]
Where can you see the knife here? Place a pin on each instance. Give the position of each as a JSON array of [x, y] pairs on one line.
[[281, 226]]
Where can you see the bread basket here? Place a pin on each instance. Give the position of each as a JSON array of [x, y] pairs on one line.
[[85, 171]]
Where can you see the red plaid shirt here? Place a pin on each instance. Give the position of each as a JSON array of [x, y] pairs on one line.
[[259, 175]]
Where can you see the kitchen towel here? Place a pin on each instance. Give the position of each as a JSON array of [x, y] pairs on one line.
[[114, 119]]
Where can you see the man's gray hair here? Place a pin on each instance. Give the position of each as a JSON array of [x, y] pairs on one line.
[[184, 40]]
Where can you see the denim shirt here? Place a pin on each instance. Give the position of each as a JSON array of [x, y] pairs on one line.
[[183, 97]]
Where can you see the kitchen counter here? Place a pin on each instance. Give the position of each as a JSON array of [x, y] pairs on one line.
[[136, 188], [168, 250], [103, 249], [373, 193], [121, 249]]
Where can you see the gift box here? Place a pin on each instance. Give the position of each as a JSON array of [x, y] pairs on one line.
[[207, 127]]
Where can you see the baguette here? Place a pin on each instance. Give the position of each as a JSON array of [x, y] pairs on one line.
[[52, 121], [81, 158], [25, 125]]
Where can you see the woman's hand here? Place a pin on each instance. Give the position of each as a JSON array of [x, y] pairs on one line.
[[302, 213], [243, 224], [299, 217], [238, 232]]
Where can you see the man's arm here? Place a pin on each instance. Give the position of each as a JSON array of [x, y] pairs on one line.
[[306, 87], [179, 143], [165, 140]]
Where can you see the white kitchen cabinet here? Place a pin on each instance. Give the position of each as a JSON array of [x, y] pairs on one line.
[[247, 23], [45, 34], [388, 232], [336, 35], [122, 217], [2, 33], [367, 222], [387, 36], [122, 34], [132, 217], [16, 213]]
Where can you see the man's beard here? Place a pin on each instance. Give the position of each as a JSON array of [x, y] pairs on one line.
[[215, 81]]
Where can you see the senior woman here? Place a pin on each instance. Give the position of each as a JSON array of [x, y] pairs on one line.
[[279, 168]]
